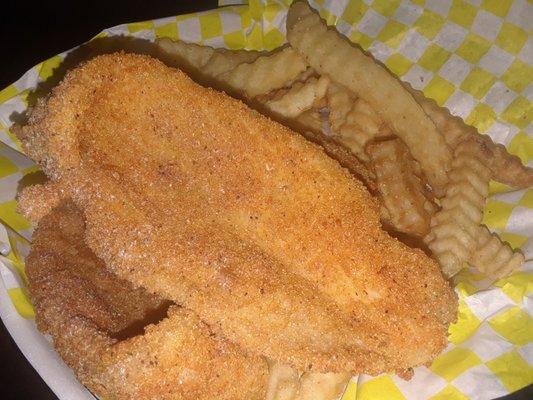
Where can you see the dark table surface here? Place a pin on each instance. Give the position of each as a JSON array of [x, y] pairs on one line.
[[32, 32]]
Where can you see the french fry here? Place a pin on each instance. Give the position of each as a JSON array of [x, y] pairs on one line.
[[181, 52], [301, 77], [353, 122], [454, 229], [329, 53], [493, 257], [266, 73], [207, 60], [302, 96], [506, 168], [310, 120], [322, 386], [286, 384], [403, 192], [224, 60], [340, 101], [283, 382]]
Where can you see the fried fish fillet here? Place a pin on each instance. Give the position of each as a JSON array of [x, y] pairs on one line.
[[194, 196], [96, 321]]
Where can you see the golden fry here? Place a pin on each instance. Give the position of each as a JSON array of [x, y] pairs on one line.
[[326, 386], [207, 60], [345, 158], [283, 382], [340, 102], [353, 122], [506, 168], [301, 77], [494, 257], [403, 192], [329, 53], [266, 73], [289, 103], [309, 120], [224, 60], [286, 384], [454, 229], [179, 53]]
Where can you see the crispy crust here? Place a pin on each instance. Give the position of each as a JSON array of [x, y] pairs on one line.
[[194, 196], [96, 322]]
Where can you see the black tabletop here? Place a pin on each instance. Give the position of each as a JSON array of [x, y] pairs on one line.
[[32, 32]]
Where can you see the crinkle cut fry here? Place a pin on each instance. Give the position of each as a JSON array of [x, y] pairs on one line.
[[505, 167], [402, 190], [329, 53], [249, 182], [302, 96], [454, 229], [206, 60], [266, 73], [493, 257], [286, 384], [340, 103], [353, 122], [88, 312]]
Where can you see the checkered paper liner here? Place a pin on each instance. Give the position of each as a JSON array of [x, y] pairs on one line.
[[475, 57]]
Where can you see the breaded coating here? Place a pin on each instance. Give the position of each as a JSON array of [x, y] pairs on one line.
[[96, 321], [194, 196], [38, 200]]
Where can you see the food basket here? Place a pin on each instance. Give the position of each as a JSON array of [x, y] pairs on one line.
[[474, 57]]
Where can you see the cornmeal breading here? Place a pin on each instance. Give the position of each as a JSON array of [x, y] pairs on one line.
[[194, 196], [96, 321]]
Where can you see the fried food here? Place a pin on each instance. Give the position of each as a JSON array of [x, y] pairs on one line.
[[302, 96], [309, 120], [40, 199], [328, 386], [493, 257], [286, 384], [295, 104], [189, 193], [331, 54], [340, 102], [283, 382], [266, 73], [505, 167], [210, 61], [97, 323], [407, 199], [454, 229], [353, 122], [240, 72], [309, 124]]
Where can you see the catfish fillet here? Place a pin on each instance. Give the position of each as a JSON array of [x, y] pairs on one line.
[[192, 195], [96, 322]]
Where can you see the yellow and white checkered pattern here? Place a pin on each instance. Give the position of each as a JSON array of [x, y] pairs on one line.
[[474, 57]]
